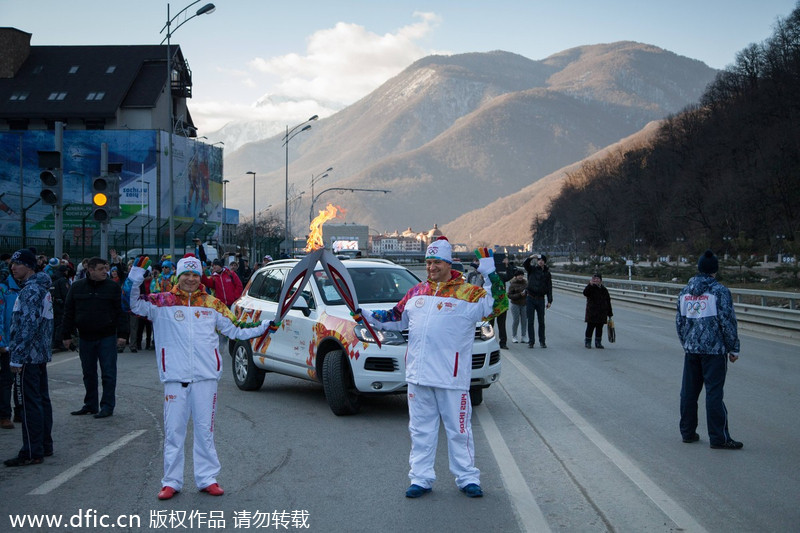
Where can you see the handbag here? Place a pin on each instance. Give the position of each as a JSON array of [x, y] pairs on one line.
[[612, 333]]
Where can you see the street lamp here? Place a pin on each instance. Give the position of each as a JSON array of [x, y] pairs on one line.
[[253, 242], [350, 189], [205, 10], [290, 133], [323, 174], [225, 210]]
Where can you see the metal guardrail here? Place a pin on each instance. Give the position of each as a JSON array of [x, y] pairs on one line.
[[774, 311]]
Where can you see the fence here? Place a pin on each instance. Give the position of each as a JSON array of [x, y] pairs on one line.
[[771, 311]]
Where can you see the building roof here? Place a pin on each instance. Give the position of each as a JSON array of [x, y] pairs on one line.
[[62, 82]]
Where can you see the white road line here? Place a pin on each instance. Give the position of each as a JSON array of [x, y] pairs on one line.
[[530, 515], [71, 472], [54, 363], [670, 507]]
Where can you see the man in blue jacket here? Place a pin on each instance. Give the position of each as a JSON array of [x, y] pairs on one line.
[[706, 324], [31, 339]]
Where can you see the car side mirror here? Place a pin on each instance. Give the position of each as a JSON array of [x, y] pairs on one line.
[[301, 304]]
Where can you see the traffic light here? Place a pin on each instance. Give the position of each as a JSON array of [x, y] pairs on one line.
[[115, 177], [50, 176], [105, 194]]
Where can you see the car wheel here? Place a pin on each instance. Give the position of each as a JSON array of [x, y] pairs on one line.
[[476, 395], [337, 383], [245, 373]]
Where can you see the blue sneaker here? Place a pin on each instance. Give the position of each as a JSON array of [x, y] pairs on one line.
[[415, 491], [472, 491]]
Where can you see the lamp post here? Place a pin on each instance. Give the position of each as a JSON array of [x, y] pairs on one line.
[[205, 10], [224, 208], [290, 133], [323, 174], [253, 242], [350, 189]]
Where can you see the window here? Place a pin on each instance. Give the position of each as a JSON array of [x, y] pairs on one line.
[[73, 69], [95, 96], [111, 69], [57, 96], [19, 96], [270, 287]]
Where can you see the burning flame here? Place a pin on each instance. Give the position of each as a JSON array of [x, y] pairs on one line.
[[315, 241]]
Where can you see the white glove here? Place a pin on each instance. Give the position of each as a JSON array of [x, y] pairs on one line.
[[486, 266]]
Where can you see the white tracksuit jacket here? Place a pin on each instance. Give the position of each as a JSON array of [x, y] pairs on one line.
[[441, 319], [184, 328]]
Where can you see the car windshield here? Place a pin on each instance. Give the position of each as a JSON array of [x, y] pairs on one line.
[[373, 285]]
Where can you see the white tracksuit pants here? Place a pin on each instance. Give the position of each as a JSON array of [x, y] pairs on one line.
[[426, 405], [198, 400]]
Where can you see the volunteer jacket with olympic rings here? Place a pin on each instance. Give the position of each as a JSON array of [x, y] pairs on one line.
[[441, 319], [706, 321], [185, 326]]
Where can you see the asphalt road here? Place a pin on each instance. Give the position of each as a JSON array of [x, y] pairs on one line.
[[569, 440]]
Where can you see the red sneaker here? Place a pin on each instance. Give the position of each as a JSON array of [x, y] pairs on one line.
[[214, 489], [166, 493]]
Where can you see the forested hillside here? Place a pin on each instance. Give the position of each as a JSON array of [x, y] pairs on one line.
[[723, 174]]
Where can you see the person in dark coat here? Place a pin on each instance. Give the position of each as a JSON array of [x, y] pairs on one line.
[[598, 311], [540, 286], [94, 307]]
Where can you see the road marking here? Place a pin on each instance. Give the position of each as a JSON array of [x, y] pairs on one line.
[[54, 363], [668, 506], [71, 472], [530, 515]]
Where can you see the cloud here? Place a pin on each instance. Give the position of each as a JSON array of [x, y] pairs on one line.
[[346, 62], [340, 65]]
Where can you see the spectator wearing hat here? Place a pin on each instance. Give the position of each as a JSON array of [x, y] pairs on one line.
[[30, 341], [94, 307], [225, 283], [707, 329], [185, 322], [517, 290], [598, 310], [540, 286]]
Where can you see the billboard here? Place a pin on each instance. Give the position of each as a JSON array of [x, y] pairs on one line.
[[144, 186]]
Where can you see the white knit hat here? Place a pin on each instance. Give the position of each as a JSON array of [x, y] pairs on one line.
[[440, 249], [189, 264]]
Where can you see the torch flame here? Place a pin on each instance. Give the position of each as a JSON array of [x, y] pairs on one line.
[[315, 241]]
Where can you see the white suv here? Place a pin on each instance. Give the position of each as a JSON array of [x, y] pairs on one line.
[[318, 340]]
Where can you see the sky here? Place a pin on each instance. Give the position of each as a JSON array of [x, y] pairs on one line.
[[285, 61]]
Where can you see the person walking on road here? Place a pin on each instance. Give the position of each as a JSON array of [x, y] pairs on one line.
[[598, 311], [440, 315], [707, 329], [30, 342], [517, 290], [94, 307], [185, 321], [540, 286]]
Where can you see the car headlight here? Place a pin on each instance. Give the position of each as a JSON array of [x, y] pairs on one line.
[[487, 331], [386, 337]]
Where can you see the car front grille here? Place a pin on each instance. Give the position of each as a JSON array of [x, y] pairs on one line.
[[479, 359], [381, 364]]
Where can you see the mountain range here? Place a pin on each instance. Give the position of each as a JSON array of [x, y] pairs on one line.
[[473, 142]]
